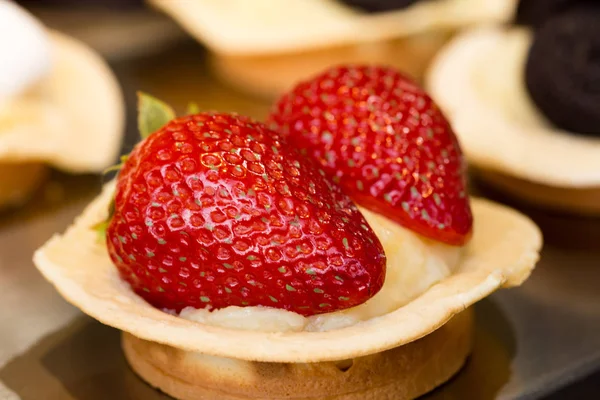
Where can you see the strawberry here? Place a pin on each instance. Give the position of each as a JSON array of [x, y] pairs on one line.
[[213, 210], [382, 138]]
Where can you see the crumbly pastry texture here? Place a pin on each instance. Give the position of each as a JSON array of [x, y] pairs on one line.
[[478, 81], [272, 26], [401, 373], [502, 253], [72, 119]]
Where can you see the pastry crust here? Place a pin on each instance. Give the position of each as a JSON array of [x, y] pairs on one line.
[[270, 75], [19, 181], [264, 47], [502, 253], [478, 81], [402, 373], [73, 119], [273, 26]]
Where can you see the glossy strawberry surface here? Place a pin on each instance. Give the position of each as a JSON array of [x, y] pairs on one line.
[[382, 138], [214, 210]]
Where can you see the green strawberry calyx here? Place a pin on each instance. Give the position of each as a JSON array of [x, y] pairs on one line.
[[153, 114]]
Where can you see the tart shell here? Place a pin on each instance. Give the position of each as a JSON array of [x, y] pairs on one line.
[[265, 27], [267, 48], [19, 181], [502, 253], [401, 373], [478, 81], [581, 201], [73, 119]]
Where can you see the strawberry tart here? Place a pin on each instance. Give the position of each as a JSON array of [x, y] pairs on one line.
[[331, 252], [524, 103]]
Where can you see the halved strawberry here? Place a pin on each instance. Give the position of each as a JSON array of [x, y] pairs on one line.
[[384, 140], [213, 210]]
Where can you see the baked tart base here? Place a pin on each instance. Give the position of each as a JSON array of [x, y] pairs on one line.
[[18, 182], [270, 75], [401, 373], [580, 201]]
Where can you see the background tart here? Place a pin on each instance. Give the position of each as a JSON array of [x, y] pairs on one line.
[[72, 119], [478, 80], [268, 46]]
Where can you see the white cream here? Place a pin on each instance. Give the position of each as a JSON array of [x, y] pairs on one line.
[[414, 264], [25, 50]]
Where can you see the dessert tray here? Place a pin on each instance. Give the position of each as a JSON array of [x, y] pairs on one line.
[[529, 341]]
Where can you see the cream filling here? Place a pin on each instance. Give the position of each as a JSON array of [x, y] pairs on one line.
[[507, 90], [414, 264], [25, 49], [478, 80]]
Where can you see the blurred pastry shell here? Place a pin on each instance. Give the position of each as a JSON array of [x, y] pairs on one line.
[[478, 81], [72, 119], [265, 47]]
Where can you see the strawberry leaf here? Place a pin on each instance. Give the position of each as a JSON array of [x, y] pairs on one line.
[[116, 167], [153, 114], [102, 226], [192, 108], [100, 229]]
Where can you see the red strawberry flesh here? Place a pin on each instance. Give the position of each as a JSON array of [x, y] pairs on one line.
[[382, 138], [213, 210]]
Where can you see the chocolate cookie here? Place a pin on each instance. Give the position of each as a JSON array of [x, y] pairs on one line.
[[117, 5], [535, 12], [373, 6], [562, 72]]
